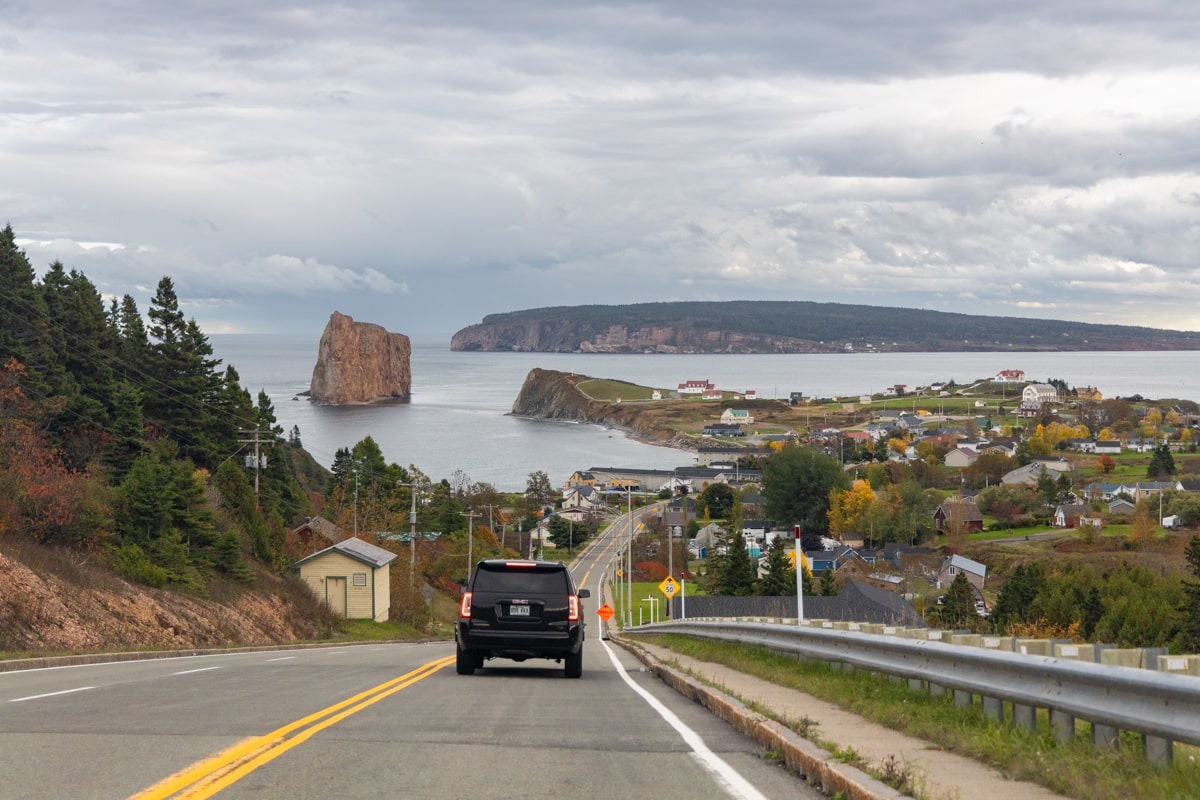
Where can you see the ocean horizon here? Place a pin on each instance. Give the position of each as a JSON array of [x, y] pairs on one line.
[[459, 416]]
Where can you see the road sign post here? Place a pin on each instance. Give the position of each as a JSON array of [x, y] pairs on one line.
[[799, 579]]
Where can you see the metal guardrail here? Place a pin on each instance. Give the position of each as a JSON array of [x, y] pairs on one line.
[[1163, 707]]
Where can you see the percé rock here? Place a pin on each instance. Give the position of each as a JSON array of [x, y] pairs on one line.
[[358, 362]]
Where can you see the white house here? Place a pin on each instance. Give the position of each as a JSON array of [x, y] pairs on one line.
[[736, 416], [694, 387], [1035, 394]]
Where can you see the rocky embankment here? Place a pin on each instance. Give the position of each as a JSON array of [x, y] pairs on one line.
[[43, 612], [359, 362], [552, 395]]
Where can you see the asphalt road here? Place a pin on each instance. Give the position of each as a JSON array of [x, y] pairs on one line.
[[372, 721]]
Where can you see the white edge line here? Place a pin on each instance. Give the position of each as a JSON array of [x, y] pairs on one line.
[[50, 694], [190, 671], [725, 775], [281, 658]]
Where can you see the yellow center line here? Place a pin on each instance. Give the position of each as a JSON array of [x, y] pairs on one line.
[[206, 778]]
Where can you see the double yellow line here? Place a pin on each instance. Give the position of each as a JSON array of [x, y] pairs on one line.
[[207, 777]]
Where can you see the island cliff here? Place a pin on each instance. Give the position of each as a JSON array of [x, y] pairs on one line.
[[358, 362], [765, 326]]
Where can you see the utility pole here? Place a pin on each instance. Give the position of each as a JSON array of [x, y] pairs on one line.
[[629, 561], [412, 536], [258, 459], [470, 515]]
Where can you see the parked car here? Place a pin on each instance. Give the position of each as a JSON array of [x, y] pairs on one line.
[[520, 609]]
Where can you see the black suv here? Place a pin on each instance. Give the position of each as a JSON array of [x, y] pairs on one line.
[[519, 610]]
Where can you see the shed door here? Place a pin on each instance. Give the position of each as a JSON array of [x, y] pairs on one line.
[[335, 595]]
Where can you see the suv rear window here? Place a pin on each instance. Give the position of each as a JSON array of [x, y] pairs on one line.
[[534, 580]]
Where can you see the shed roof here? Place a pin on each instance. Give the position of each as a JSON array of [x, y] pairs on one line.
[[358, 550]]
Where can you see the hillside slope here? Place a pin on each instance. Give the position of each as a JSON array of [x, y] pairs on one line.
[[52, 604], [793, 327]]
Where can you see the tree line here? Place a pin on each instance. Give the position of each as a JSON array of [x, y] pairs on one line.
[[121, 434]]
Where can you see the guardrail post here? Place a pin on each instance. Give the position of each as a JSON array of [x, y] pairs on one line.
[[1063, 724], [1105, 737], [1024, 716], [1158, 751], [916, 684], [962, 699], [993, 707]]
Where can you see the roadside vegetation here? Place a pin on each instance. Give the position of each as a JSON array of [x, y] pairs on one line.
[[1074, 769]]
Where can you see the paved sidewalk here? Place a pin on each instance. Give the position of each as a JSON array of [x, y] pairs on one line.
[[939, 775]]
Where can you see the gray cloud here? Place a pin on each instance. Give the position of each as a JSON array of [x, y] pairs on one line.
[[430, 163]]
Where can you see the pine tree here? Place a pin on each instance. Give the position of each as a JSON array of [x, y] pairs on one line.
[[738, 572], [958, 605], [23, 331], [828, 584], [1191, 602], [780, 577]]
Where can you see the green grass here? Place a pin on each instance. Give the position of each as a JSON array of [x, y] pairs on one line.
[[642, 590], [610, 390], [1075, 769]]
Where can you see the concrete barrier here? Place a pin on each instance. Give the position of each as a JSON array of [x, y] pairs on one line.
[[1183, 665]]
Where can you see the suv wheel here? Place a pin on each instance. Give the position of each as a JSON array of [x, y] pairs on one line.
[[573, 664], [464, 663]]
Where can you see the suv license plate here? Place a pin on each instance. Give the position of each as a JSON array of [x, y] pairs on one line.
[[518, 611]]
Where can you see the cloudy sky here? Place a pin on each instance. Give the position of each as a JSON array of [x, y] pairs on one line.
[[422, 164]]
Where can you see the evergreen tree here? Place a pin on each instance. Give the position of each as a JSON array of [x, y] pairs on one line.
[[958, 605], [127, 432], [828, 584], [266, 414], [1016, 597], [780, 577], [738, 572], [23, 331], [161, 501], [1162, 464], [1191, 599], [133, 344]]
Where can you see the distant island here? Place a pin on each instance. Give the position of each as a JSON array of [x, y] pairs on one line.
[[767, 326]]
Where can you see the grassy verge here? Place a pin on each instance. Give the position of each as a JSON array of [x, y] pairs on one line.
[[1075, 769]]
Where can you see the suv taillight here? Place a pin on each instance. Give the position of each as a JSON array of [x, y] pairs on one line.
[[572, 608], [464, 610]]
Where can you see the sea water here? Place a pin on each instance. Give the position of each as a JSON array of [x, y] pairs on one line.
[[459, 416]]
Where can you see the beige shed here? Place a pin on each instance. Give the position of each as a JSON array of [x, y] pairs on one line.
[[351, 578]]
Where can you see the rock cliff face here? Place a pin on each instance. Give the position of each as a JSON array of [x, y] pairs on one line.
[[358, 362], [548, 394], [552, 395], [530, 336]]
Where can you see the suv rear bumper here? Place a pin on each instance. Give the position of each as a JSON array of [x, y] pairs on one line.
[[518, 645]]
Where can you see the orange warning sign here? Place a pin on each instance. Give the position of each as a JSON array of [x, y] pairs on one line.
[[605, 611]]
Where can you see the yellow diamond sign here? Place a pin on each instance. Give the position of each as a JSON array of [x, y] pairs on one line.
[[668, 587]]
